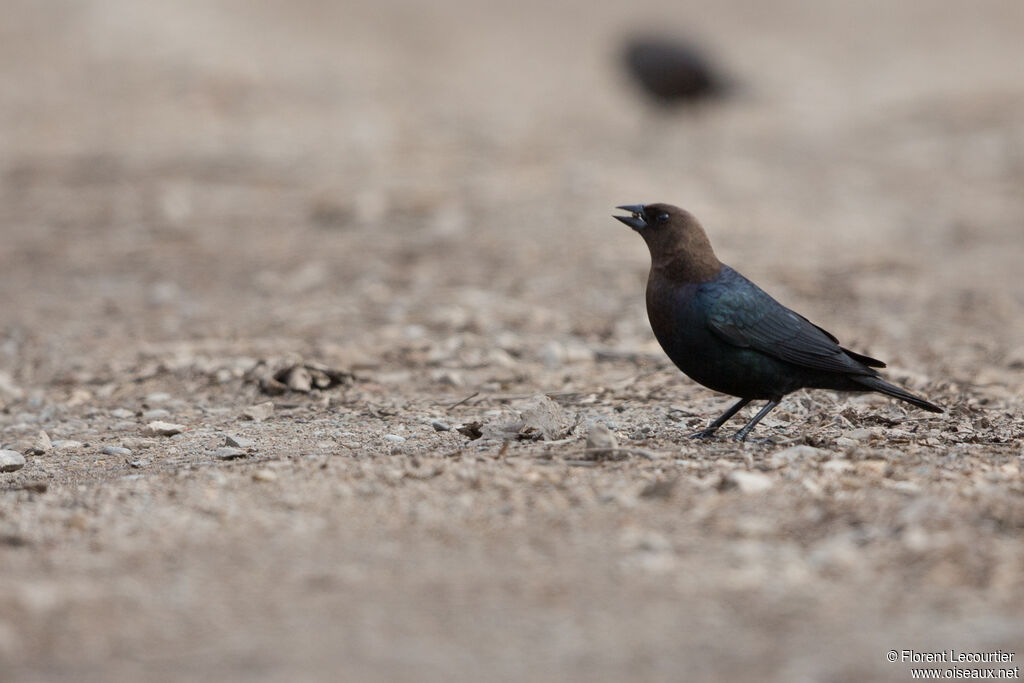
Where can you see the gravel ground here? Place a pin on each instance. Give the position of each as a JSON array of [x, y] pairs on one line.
[[308, 310]]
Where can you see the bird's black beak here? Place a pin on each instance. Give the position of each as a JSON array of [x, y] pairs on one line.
[[637, 220]]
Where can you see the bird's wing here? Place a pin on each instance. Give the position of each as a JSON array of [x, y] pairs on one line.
[[742, 314]]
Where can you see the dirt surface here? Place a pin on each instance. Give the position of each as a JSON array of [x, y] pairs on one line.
[[196, 197]]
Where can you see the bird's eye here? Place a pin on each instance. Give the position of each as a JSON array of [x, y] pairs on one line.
[[663, 218]]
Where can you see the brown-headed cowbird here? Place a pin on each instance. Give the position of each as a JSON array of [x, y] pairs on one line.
[[726, 333], [672, 71]]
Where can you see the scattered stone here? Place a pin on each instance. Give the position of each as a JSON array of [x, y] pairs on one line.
[[264, 475], [137, 444], [237, 441], [328, 378], [555, 354], [540, 418], [272, 387], [916, 539], [503, 425], [544, 418], [747, 482], [79, 397], [221, 411], [394, 438], [439, 426], [121, 413], [41, 445], [229, 453], [812, 487], [451, 378], [551, 354], [500, 358], [11, 461], [836, 465], [259, 412], [473, 430], [8, 389], [156, 397], [601, 443], [799, 454], [158, 428], [155, 414], [115, 450], [138, 464], [299, 379], [660, 488], [900, 436], [874, 467], [66, 444], [36, 486], [907, 487]]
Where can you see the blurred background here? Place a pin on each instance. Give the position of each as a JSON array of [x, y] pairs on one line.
[[321, 167], [362, 182]]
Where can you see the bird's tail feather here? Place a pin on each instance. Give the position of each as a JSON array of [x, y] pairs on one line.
[[879, 384]]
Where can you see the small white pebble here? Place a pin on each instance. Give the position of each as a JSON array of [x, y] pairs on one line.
[[229, 453], [749, 482], [158, 428], [11, 461]]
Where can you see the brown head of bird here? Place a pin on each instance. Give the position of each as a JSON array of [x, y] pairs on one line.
[[680, 249]]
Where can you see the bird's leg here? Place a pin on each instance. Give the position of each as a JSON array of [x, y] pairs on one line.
[[713, 427], [742, 434]]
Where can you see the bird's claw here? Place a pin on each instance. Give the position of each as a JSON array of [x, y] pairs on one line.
[[703, 434]]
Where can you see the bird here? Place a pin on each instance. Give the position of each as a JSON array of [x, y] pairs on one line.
[[726, 333], [672, 71]]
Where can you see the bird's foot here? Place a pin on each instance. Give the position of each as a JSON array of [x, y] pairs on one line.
[[704, 434]]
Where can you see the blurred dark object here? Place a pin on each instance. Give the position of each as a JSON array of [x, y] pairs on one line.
[[672, 71]]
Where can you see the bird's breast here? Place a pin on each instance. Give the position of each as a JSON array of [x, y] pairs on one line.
[[679, 320]]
